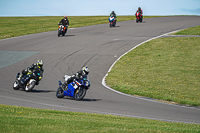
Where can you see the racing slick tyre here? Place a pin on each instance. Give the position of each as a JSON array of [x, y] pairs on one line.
[[79, 93], [30, 85], [59, 93], [58, 33], [16, 85]]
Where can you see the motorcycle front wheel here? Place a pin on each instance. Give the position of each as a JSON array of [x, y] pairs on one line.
[[30, 85], [114, 23], [63, 34], [16, 85], [79, 93], [59, 93], [58, 33], [110, 25], [137, 20]]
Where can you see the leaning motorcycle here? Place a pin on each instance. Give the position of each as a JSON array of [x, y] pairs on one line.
[[62, 30], [112, 21], [76, 89], [27, 82], [138, 17]]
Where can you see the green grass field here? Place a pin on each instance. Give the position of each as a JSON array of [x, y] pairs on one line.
[[18, 26], [27, 120], [189, 31], [165, 68]]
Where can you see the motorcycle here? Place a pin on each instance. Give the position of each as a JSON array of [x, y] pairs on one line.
[[139, 17], [27, 82], [112, 21], [76, 89], [62, 30]]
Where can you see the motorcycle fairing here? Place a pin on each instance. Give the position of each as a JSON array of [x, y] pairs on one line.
[[111, 19], [70, 90]]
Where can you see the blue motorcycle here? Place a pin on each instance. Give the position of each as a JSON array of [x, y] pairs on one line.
[[76, 89], [112, 21]]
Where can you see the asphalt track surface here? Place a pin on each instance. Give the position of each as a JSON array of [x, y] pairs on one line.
[[97, 47]]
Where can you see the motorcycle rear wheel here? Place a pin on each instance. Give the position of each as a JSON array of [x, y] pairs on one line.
[[79, 94], [16, 85], [59, 93], [30, 85]]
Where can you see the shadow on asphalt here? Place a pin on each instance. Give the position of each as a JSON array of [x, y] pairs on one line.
[[68, 35], [83, 100], [91, 100], [40, 91], [115, 27], [141, 22]]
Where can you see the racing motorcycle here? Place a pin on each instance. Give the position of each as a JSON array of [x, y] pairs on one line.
[[27, 82], [76, 89], [138, 17], [62, 30], [112, 21]]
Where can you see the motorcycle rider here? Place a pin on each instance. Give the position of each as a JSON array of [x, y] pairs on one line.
[[79, 75], [34, 67], [64, 22], [113, 14], [139, 10]]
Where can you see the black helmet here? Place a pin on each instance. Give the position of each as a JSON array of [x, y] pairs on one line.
[[139, 8], [85, 70]]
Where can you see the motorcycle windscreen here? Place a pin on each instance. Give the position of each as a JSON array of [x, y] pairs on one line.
[[111, 19], [70, 90]]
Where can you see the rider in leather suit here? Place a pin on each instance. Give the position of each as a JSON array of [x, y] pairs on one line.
[[64, 22], [79, 75], [34, 67], [139, 10], [113, 14]]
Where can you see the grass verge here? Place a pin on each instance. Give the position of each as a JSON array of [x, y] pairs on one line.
[[20, 119], [165, 68], [189, 31], [18, 26]]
